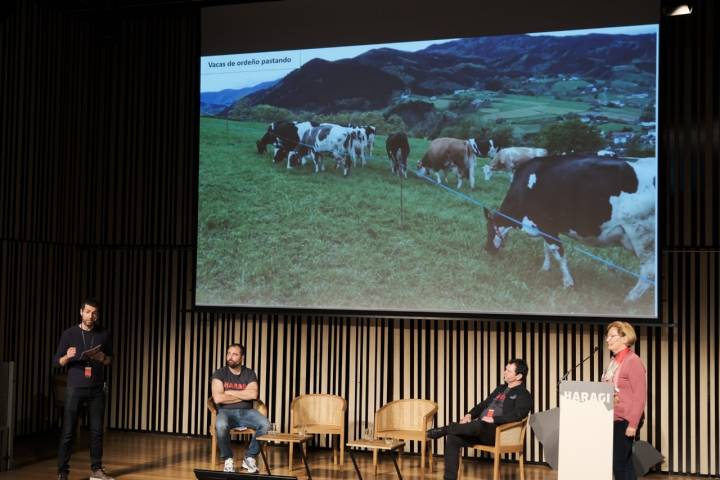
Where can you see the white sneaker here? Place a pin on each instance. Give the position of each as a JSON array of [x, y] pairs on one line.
[[230, 465], [250, 465], [99, 474]]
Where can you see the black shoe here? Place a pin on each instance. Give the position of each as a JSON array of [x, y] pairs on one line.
[[435, 433]]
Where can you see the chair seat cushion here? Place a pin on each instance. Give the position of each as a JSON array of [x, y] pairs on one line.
[[319, 428]]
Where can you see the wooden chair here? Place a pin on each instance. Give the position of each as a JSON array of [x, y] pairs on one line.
[[509, 438], [406, 419], [245, 432], [319, 413]]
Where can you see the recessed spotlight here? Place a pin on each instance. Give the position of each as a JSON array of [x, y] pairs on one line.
[[683, 9]]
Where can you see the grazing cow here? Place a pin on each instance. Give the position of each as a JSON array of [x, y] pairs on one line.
[[284, 136], [327, 139], [282, 128], [359, 145], [509, 159], [370, 135], [359, 140], [597, 200], [398, 150], [364, 141], [455, 155]]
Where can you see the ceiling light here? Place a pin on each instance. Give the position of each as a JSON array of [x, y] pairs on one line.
[[680, 10]]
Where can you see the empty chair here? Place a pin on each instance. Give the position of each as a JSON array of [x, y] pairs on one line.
[[406, 419], [319, 413], [509, 438]]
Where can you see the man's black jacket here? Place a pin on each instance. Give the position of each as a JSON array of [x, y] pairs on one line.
[[517, 404]]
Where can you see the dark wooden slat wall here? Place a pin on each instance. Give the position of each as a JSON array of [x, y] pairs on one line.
[[97, 195]]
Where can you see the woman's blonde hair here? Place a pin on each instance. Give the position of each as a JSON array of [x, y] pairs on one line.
[[625, 330]]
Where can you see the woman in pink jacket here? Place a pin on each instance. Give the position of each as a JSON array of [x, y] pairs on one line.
[[627, 374]]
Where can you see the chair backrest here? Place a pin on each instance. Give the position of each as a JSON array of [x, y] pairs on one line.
[[406, 414], [260, 407], [257, 405], [512, 434], [317, 410]]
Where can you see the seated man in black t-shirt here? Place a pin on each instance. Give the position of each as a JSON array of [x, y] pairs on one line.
[[234, 387], [509, 402]]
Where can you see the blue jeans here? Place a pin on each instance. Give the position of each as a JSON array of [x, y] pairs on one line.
[[229, 418]]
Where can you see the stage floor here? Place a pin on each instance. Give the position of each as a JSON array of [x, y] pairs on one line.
[[136, 456]]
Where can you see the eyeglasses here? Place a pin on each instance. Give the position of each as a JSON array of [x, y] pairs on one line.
[[612, 335]]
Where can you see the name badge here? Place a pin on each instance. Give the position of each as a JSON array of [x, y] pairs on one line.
[[88, 372]]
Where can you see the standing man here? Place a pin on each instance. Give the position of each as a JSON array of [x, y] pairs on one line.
[[85, 350], [234, 387], [508, 403]]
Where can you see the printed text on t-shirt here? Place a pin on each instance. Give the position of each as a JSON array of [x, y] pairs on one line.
[[234, 386]]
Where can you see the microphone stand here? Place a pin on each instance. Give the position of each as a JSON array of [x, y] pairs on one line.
[[564, 377]]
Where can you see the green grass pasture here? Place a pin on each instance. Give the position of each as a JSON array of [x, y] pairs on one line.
[[269, 236]]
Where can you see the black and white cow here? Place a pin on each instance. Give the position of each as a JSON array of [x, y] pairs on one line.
[[327, 139], [398, 150], [370, 139], [364, 139], [598, 200], [453, 155], [284, 136], [271, 134], [360, 141]]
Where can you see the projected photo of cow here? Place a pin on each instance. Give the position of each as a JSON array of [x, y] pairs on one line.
[[553, 196], [392, 176]]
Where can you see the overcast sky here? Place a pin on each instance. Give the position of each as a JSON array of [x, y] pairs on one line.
[[216, 79], [632, 30], [213, 79]]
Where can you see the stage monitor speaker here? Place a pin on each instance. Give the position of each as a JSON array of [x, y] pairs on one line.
[[645, 457], [220, 475]]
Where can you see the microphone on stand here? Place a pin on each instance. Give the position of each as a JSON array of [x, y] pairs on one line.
[[564, 377]]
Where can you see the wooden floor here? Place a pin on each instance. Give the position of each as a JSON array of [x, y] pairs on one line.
[[136, 456]]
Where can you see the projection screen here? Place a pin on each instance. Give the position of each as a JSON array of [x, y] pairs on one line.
[[459, 176]]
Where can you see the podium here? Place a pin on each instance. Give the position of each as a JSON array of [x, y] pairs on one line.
[[586, 431]]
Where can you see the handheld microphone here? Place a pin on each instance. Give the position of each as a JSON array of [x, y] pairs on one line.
[[564, 377]]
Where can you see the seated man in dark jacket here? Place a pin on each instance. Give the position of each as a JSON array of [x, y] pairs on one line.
[[509, 402]]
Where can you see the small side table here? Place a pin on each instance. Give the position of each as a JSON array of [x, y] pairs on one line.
[[285, 438], [376, 445]]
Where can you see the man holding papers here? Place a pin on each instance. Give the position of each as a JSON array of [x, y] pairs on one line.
[[85, 350]]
